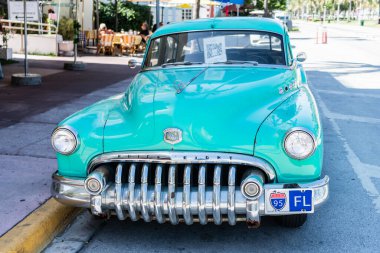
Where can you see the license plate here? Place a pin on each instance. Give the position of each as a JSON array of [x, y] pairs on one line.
[[288, 201]]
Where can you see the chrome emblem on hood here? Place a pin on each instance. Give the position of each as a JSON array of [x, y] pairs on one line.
[[172, 135]]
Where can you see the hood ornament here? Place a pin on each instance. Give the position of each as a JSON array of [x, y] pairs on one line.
[[172, 135]]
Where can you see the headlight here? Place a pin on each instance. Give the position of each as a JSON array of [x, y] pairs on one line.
[[64, 141], [299, 144]]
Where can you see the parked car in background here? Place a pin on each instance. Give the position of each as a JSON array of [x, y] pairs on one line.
[[285, 19], [218, 126]]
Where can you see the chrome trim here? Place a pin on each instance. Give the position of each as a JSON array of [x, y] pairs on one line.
[[231, 195], [71, 130], [70, 191], [216, 195], [186, 195], [119, 193], [214, 199], [174, 157], [157, 195], [202, 195], [131, 192], [144, 192], [303, 130], [171, 195]]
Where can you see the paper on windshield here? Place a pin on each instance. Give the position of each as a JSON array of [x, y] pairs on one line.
[[214, 49]]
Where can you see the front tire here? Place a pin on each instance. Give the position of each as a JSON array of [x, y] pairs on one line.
[[292, 221]]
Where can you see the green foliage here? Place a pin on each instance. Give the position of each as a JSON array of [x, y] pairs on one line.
[[76, 27], [66, 28], [130, 15], [272, 4]]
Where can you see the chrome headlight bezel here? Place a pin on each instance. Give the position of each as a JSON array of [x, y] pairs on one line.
[[69, 131], [304, 131]]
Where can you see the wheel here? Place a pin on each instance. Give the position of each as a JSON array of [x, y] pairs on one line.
[[292, 221]]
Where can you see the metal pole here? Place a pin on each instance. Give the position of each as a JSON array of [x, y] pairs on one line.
[[97, 21], [76, 35], [25, 42], [158, 13]]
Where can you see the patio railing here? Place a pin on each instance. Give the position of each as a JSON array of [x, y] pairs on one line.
[[15, 26]]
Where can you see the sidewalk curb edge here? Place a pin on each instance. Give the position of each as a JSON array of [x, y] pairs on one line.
[[39, 228]]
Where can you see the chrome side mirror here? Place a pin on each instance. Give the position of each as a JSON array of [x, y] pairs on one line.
[[132, 63], [301, 57]]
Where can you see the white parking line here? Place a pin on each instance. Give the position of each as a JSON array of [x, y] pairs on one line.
[[361, 119], [351, 94], [365, 172]]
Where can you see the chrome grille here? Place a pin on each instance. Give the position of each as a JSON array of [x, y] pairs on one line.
[[175, 192], [178, 186]]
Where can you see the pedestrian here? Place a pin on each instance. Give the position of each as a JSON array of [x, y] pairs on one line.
[[144, 32]]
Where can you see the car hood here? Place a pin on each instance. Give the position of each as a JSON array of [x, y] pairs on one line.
[[220, 109]]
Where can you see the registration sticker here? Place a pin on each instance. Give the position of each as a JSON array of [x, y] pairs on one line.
[[291, 201]]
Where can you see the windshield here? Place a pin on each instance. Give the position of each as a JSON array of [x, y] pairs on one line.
[[215, 47]]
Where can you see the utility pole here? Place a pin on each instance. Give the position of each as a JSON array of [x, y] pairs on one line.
[[158, 13], [25, 42]]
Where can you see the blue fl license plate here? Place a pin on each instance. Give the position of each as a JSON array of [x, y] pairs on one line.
[[288, 201]]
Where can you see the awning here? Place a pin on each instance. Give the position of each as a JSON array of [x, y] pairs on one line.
[[184, 6], [241, 2]]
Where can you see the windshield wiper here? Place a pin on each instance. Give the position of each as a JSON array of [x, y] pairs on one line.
[[255, 63], [180, 63]]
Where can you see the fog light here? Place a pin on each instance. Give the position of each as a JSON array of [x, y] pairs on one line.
[[251, 189], [93, 185], [252, 186]]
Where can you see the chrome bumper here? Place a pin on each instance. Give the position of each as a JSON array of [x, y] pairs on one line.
[[191, 204]]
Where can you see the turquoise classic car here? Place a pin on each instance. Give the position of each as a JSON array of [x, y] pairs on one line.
[[218, 126]]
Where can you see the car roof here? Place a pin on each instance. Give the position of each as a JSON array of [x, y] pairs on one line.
[[226, 23]]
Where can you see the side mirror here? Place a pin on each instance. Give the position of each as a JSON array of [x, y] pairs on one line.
[[301, 57], [132, 63]]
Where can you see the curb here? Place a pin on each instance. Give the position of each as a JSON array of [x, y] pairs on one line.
[[37, 230]]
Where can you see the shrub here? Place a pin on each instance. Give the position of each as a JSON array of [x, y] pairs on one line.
[[130, 15]]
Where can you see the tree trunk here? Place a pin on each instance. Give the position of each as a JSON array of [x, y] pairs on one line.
[[266, 11], [197, 9], [116, 17]]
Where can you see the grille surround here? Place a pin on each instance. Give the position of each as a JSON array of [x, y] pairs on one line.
[[178, 157]]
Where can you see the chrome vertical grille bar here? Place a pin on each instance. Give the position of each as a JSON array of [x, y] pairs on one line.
[[131, 192], [186, 195], [157, 195], [231, 195], [216, 195], [144, 193], [119, 192], [202, 195], [171, 195]]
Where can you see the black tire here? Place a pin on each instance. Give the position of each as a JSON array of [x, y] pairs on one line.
[[292, 221]]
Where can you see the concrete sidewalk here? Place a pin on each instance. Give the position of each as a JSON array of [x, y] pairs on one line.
[[28, 115]]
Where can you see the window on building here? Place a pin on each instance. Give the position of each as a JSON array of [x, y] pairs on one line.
[[187, 14]]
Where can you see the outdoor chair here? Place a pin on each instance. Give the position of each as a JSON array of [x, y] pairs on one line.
[[90, 35], [117, 44], [128, 41], [105, 44], [137, 43]]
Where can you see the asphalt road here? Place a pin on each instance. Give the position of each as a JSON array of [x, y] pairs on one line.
[[345, 78]]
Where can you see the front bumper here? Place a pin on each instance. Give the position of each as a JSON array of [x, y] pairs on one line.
[[190, 204]]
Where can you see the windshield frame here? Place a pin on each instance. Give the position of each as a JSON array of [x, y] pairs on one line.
[[283, 45]]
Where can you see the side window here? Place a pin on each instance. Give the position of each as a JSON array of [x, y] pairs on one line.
[[276, 44], [154, 53], [170, 50]]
